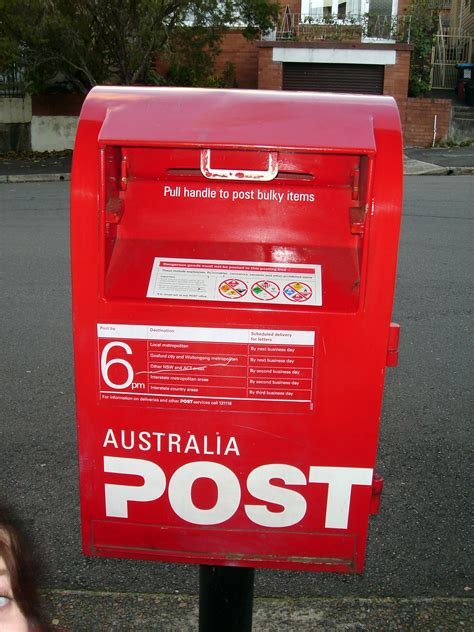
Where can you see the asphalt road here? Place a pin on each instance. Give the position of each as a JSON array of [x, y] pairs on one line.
[[421, 542]]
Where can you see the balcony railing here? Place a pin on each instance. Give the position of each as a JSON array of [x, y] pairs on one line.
[[367, 27], [439, 4]]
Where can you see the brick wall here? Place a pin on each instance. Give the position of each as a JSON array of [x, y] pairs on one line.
[[295, 6], [418, 121], [243, 54], [403, 6], [270, 73], [396, 80]]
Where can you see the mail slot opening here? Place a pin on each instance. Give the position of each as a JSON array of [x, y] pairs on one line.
[[234, 205]]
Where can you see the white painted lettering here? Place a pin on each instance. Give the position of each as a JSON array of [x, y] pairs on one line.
[[228, 492], [206, 451], [174, 440], [232, 447], [267, 484], [144, 438], [110, 439], [117, 497], [260, 486], [146, 441], [123, 439], [191, 445], [340, 481], [158, 436]]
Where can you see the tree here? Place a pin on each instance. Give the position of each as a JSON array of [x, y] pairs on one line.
[[86, 42], [423, 26]]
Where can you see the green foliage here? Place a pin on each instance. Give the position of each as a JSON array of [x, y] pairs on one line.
[[191, 54], [81, 43], [423, 29]]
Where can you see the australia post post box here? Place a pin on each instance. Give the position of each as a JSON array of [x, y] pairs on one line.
[[233, 264]]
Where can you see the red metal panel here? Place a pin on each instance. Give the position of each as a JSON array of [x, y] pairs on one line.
[[231, 334], [235, 118]]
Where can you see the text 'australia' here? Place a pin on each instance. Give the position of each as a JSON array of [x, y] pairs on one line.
[[213, 444]]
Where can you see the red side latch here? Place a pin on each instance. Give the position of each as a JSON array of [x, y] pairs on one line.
[[357, 216], [377, 487], [123, 171], [393, 339]]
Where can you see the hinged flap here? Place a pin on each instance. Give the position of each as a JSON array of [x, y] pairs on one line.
[[216, 118]]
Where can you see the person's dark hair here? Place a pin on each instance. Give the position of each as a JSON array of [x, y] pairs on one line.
[[20, 568]]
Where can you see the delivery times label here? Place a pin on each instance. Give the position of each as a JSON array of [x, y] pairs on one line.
[[202, 367], [236, 281]]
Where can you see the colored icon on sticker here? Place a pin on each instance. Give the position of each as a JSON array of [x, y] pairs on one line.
[[233, 288], [297, 292], [265, 290]]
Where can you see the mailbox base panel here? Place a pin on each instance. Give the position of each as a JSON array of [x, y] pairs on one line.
[[175, 550]]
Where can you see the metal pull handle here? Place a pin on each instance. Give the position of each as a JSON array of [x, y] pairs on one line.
[[246, 174]]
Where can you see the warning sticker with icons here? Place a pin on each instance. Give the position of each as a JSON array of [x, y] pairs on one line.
[[265, 290], [233, 288], [298, 292], [236, 281]]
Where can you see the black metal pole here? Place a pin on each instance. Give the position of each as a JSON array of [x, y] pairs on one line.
[[225, 598]]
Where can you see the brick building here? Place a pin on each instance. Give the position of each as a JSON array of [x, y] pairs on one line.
[[360, 46], [327, 45]]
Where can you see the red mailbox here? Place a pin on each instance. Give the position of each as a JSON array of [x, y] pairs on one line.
[[233, 265]]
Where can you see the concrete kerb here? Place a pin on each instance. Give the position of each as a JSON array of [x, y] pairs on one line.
[[435, 170], [36, 177], [413, 167], [461, 171]]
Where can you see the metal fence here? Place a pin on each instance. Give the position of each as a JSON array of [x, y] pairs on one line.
[[448, 52], [439, 4], [367, 27], [11, 83]]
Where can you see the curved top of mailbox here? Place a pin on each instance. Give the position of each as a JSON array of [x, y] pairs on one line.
[[243, 118]]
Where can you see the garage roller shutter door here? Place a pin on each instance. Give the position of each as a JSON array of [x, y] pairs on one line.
[[356, 78]]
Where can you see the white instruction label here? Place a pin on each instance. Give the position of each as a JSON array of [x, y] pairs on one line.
[[236, 281], [170, 366]]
